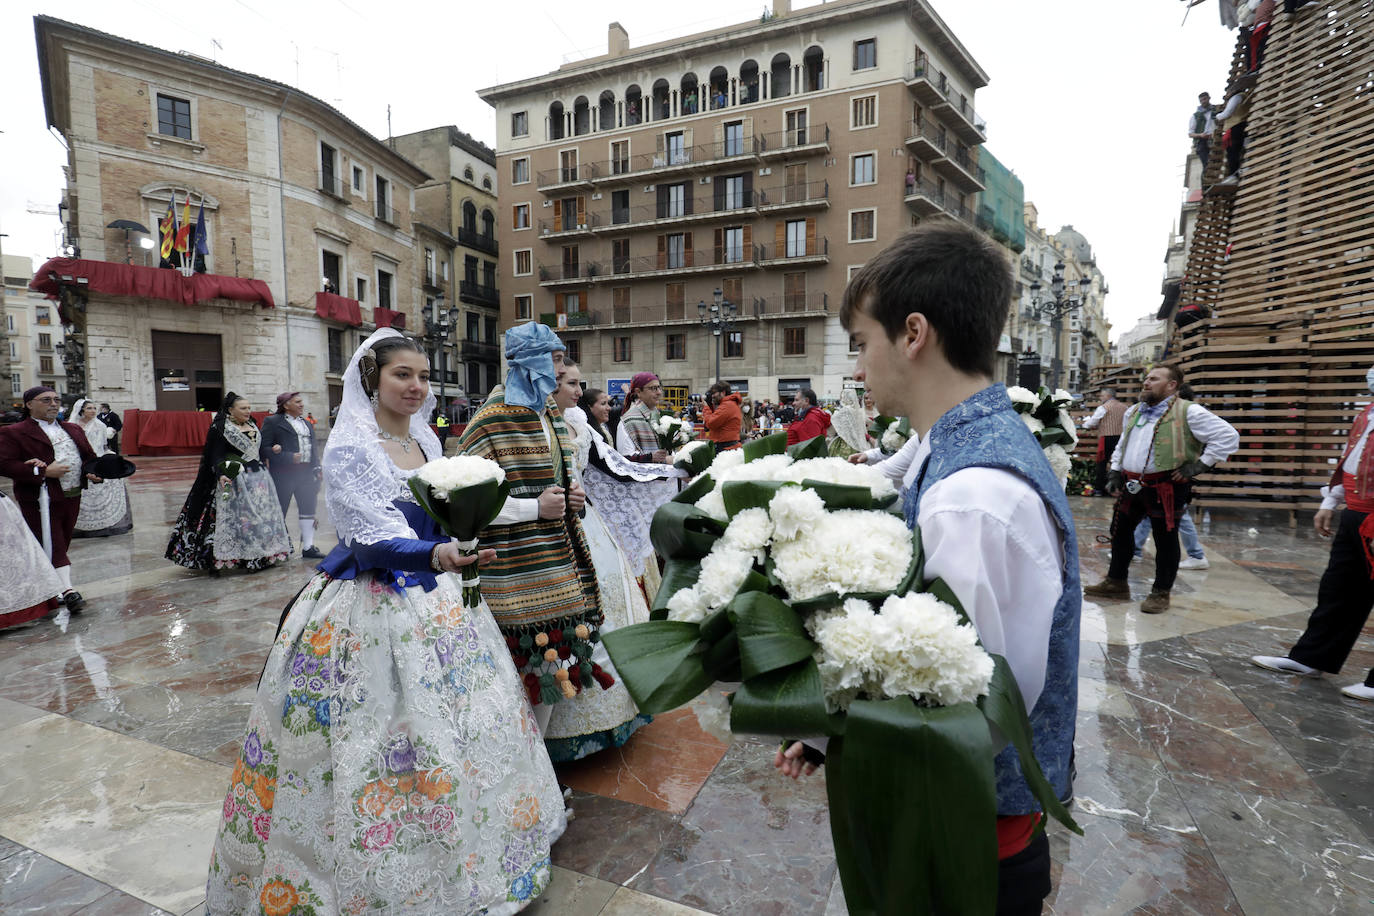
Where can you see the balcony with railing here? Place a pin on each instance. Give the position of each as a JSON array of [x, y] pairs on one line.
[[385, 213], [925, 140], [565, 227], [798, 252], [675, 160], [471, 238], [560, 320], [966, 122], [962, 169], [932, 87], [790, 305], [727, 206], [707, 260], [566, 178], [332, 184], [924, 198], [813, 139], [800, 195], [478, 293], [478, 351], [574, 273], [431, 282]]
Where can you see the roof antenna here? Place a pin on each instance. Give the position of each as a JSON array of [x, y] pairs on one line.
[[389, 139]]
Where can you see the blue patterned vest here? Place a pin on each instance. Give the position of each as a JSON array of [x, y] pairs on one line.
[[984, 431]]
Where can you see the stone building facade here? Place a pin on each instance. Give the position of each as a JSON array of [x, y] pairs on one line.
[[295, 194], [767, 161], [32, 335]]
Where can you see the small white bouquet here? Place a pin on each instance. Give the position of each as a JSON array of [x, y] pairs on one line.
[[672, 432], [463, 494], [1046, 415], [695, 456], [897, 434]]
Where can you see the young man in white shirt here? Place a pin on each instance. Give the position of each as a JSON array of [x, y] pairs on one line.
[[926, 315]]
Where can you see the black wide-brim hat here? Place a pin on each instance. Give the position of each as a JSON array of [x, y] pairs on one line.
[[112, 467]]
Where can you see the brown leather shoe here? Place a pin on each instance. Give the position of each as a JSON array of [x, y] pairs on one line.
[[1157, 603], [1109, 588]]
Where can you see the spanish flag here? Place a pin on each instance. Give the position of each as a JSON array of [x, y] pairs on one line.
[[183, 240]]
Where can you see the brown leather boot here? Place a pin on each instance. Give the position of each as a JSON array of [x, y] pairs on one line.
[[1157, 603], [1109, 588]]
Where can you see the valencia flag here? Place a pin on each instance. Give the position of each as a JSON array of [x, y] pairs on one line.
[[168, 230]]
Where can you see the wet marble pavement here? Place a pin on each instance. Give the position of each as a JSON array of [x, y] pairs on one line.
[[1205, 785]]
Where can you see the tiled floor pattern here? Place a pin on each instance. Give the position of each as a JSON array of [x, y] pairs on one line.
[[1205, 785]]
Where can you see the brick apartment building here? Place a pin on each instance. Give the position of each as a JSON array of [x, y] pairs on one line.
[[767, 161]]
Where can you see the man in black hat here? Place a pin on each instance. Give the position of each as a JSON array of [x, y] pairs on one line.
[[111, 419], [45, 456]]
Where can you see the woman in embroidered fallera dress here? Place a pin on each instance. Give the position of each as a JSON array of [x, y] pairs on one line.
[[231, 517], [596, 720], [28, 584], [104, 506], [391, 761]]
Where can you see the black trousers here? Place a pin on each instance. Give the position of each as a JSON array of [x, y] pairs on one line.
[[1344, 599], [298, 483], [1023, 880], [1130, 509], [1105, 464], [1235, 149]]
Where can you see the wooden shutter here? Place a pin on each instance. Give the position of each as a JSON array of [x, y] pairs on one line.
[[558, 216], [686, 249], [662, 252], [718, 192], [811, 235], [581, 211], [749, 188], [687, 140], [662, 200], [748, 243], [780, 238], [582, 301], [687, 198], [720, 246]]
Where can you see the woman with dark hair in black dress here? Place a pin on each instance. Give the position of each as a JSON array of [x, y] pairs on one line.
[[231, 517]]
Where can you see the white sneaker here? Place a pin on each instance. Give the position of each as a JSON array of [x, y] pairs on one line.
[[1285, 664], [1191, 563], [1359, 692]]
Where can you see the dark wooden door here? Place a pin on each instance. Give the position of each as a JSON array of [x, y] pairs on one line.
[[188, 371]]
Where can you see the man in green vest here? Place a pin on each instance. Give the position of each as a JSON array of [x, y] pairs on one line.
[[1166, 442]]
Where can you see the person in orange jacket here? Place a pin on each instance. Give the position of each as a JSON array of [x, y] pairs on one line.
[[723, 416], [811, 421]]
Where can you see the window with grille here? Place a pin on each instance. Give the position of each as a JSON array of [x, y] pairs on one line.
[[793, 341], [523, 257], [865, 54], [861, 228], [734, 344], [384, 289], [173, 116], [864, 111], [675, 346], [622, 350]]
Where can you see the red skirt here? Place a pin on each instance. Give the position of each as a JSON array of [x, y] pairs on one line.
[[24, 615]]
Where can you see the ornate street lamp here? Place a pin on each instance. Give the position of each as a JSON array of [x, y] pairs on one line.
[[439, 324], [1064, 299], [719, 317]]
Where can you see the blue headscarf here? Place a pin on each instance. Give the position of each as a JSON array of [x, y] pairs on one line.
[[529, 351]]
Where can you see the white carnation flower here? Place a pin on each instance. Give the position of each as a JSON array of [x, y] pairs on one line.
[[1021, 395], [1061, 395], [840, 471], [713, 504], [1067, 423], [1032, 423], [723, 571], [713, 715], [726, 460], [690, 449], [687, 606], [850, 550], [447, 474], [749, 530], [1060, 463], [923, 650], [794, 510], [893, 440]]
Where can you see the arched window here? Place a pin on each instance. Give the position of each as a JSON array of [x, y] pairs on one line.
[[813, 69], [690, 103], [748, 82], [488, 223], [719, 83], [634, 100], [582, 121], [469, 217], [661, 103], [780, 77], [556, 121], [486, 182], [467, 173], [606, 111]]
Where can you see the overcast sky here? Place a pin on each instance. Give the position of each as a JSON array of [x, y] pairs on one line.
[[1088, 100]]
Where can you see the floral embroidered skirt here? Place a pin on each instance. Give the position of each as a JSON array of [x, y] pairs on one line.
[[391, 762]]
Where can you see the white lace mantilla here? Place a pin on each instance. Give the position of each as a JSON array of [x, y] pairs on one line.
[[26, 576], [246, 442]]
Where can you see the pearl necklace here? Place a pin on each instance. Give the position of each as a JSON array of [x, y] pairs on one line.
[[404, 443]]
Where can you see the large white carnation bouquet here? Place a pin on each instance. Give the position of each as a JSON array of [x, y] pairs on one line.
[[463, 493], [695, 456], [672, 432], [793, 575], [1046, 414]]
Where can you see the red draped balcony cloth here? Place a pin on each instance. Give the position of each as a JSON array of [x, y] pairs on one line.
[[338, 308], [134, 280], [386, 318]]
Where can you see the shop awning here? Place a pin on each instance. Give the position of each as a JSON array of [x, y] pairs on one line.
[[386, 318], [113, 279], [338, 308]]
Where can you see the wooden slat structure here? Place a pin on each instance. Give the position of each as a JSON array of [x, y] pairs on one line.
[[1125, 378], [1286, 265]]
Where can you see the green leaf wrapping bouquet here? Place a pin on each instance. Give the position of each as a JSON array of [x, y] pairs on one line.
[[672, 432], [695, 457], [1046, 415], [463, 494], [793, 575]]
